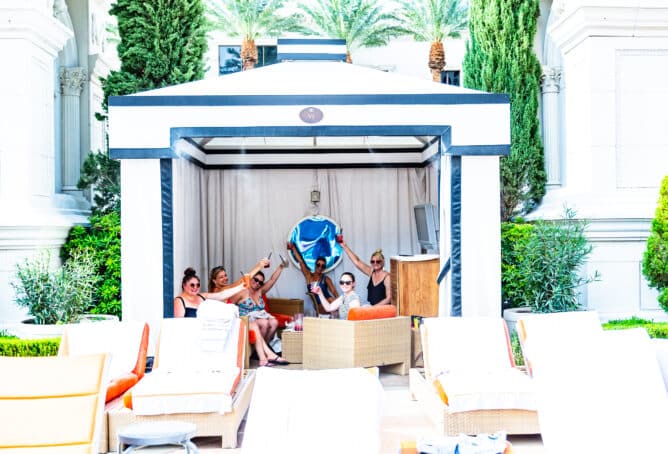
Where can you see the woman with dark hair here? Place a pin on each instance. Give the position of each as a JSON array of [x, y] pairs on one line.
[[317, 276], [187, 302], [344, 302], [219, 279]]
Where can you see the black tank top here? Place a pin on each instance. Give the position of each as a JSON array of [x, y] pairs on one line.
[[375, 293], [191, 312]]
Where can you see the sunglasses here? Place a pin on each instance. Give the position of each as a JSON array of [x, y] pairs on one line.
[[319, 265], [258, 281], [193, 285], [376, 261], [345, 282]]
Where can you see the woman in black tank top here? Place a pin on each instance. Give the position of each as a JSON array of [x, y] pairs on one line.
[[188, 301], [378, 288]]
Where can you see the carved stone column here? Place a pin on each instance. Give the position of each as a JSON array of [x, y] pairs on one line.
[[550, 86], [71, 83]]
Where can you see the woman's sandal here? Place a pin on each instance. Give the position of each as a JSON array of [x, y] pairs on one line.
[[279, 361], [269, 363]]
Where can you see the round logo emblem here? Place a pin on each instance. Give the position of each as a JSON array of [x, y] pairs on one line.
[[311, 115]]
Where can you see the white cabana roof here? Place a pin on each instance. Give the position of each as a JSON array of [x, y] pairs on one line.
[[359, 116]]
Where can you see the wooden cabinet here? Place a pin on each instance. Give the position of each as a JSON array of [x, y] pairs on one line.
[[414, 288]]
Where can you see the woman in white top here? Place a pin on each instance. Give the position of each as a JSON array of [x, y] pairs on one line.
[[345, 301]]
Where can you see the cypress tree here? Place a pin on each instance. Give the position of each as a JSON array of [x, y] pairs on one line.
[[500, 59], [655, 258], [162, 43]]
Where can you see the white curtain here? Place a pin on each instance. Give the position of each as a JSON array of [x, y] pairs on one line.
[[235, 217]]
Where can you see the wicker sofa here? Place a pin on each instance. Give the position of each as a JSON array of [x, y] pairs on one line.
[[337, 344]]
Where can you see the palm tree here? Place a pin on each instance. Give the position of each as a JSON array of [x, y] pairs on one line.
[[362, 23], [434, 20], [252, 19]]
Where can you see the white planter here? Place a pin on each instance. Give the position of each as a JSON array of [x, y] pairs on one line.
[[512, 315], [29, 330]]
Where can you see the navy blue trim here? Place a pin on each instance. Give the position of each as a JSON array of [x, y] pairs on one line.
[[311, 56], [313, 151], [456, 234], [309, 131], [142, 153], [369, 165], [444, 271], [167, 212], [313, 41], [310, 100], [479, 150]]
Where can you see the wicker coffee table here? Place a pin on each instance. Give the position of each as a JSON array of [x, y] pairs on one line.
[[144, 434]]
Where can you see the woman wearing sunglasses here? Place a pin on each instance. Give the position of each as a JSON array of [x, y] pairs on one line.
[[378, 288], [219, 279], [260, 321], [344, 302], [187, 302], [318, 276]]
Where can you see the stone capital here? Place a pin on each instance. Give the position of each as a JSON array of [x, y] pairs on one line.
[[550, 80], [72, 80]]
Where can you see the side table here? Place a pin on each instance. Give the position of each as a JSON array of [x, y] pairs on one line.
[[291, 341], [139, 435]]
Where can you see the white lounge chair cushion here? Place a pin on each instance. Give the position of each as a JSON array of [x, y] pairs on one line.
[[661, 349], [198, 344], [599, 393], [121, 340], [184, 392], [197, 365], [307, 411], [488, 390], [465, 344]]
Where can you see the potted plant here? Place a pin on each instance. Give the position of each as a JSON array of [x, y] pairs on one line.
[[549, 267], [55, 296]]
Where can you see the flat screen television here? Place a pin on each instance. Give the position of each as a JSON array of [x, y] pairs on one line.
[[426, 222]]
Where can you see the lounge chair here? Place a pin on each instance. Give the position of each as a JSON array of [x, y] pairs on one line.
[[470, 383], [198, 376], [596, 390], [52, 404], [127, 345], [372, 336], [314, 411]]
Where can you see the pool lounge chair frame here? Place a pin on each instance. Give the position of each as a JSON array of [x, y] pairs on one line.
[[208, 424]]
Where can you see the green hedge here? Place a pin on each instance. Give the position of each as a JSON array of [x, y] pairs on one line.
[[29, 347], [658, 330]]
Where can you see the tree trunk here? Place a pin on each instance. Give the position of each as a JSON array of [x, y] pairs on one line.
[[248, 54], [349, 59], [436, 60]]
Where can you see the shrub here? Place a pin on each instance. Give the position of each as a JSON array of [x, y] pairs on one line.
[[514, 236], [655, 258], [102, 240], [53, 296], [517, 348], [29, 347], [550, 263]]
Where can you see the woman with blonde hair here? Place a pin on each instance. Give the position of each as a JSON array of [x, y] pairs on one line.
[[378, 288]]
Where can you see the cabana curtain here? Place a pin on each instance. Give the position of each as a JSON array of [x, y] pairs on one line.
[[234, 217]]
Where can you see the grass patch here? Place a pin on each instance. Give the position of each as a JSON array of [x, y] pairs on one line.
[[658, 330]]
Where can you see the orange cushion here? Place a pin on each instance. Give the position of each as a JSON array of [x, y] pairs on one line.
[[119, 385], [127, 399], [140, 366], [372, 312]]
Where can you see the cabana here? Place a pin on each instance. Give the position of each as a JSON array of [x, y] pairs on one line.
[[217, 171]]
